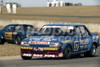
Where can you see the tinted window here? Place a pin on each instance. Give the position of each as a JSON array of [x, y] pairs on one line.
[[9, 28], [78, 32], [29, 29], [19, 28], [84, 32]]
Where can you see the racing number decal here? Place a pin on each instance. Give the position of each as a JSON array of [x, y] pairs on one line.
[[76, 46], [8, 35]]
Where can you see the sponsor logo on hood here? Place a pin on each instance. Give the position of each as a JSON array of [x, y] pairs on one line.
[[33, 42]]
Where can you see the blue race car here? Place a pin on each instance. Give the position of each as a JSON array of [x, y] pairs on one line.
[[60, 40], [14, 33]]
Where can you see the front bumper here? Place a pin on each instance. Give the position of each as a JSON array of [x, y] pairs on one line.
[[50, 52]]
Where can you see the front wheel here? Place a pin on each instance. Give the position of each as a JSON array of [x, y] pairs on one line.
[[26, 58], [92, 51], [67, 52], [17, 40], [2, 42]]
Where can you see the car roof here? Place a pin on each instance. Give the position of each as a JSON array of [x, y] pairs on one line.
[[19, 24], [64, 25]]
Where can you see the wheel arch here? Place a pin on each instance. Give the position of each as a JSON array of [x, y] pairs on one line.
[[18, 36], [94, 43], [66, 44], [90, 46]]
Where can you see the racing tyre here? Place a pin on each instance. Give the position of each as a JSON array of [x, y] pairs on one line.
[[26, 58], [1, 42], [17, 40], [67, 52], [92, 52]]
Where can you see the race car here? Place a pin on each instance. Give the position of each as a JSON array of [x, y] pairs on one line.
[[60, 40], [14, 33]]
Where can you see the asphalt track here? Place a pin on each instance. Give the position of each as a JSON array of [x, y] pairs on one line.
[[50, 15], [75, 61]]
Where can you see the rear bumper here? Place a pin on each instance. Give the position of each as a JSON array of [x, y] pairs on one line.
[[45, 53]]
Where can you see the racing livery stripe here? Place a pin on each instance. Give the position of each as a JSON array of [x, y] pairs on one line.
[[50, 48], [8, 32], [43, 48], [67, 41], [27, 48], [14, 32]]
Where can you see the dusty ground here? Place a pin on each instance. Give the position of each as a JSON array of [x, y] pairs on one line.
[[75, 61], [70, 10], [65, 11], [9, 50]]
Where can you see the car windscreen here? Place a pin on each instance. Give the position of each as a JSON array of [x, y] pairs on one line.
[[57, 30]]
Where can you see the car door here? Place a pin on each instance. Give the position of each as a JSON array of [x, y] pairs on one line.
[[19, 29], [76, 37], [8, 32], [85, 39]]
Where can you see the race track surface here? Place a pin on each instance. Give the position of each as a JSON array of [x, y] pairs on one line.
[[75, 61]]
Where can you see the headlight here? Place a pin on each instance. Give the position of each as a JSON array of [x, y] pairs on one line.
[[25, 43], [54, 44], [1, 37]]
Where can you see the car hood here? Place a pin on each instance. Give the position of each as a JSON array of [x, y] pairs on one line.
[[47, 38]]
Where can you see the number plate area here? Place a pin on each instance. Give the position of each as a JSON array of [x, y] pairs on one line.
[[37, 49]]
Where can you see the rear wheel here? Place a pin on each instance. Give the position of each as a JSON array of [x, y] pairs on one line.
[[67, 52], [17, 40], [92, 51], [26, 58]]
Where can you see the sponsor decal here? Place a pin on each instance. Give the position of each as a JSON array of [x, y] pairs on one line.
[[27, 54], [14, 32], [41, 55], [49, 55], [45, 43], [8, 35], [38, 49], [38, 55], [66, 41], [27, 48], [81, 47], [84, 42], [50, 48]]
